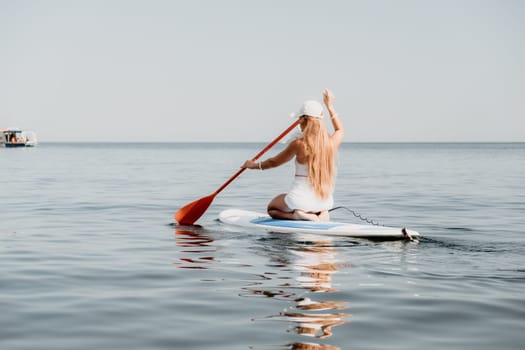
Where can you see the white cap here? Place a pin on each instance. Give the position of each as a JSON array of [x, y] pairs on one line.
[[310, 108]]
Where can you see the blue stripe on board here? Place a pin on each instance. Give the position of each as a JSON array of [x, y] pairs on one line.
[[297, 223]]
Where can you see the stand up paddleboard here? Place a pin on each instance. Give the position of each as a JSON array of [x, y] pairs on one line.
[[250, 219]]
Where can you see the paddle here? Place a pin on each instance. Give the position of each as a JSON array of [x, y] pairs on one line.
[[191, 212]]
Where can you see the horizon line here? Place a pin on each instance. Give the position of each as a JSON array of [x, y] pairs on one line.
[[259, 142]]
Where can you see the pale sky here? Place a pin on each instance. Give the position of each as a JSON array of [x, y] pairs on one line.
[[232, 71]]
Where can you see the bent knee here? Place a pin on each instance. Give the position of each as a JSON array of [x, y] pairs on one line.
[[278, 203]]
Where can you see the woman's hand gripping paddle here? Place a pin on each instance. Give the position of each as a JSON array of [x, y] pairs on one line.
[[191, 212]]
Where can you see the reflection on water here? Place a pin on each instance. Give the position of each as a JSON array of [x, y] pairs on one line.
[[318, 325], [316, 265], [313, 266], [301, 273], [312, 346], [196, 249], [313, 324]]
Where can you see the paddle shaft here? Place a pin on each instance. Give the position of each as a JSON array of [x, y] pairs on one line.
[[270, 145]]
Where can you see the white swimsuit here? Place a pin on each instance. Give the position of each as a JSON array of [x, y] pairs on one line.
[[302, 196]]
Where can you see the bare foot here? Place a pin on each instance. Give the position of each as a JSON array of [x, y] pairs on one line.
[[324, 216], [302, 215]]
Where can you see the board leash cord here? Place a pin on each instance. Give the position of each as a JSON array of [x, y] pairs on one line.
[[372, 222], [357, 215]]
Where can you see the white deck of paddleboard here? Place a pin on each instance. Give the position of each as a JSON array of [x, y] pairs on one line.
[[250, 219]]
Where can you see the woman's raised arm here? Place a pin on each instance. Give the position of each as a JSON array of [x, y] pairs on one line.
[[339, 131]]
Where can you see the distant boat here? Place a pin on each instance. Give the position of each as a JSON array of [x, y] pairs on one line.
[[14, 137]]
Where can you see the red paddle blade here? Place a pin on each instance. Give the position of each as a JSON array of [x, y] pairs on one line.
[[191, 212]]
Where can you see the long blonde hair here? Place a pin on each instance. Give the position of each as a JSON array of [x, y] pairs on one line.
[[320, 155]]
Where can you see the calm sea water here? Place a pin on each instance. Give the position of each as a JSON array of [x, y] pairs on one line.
[[90, 258]]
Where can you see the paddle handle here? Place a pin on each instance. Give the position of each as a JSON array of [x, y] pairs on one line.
[[270, 145]]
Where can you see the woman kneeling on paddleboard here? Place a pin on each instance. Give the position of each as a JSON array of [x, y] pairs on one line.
[[311, 194]]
